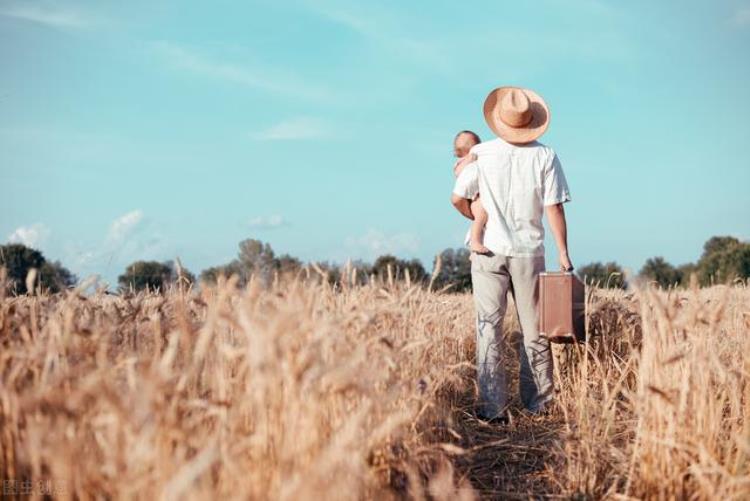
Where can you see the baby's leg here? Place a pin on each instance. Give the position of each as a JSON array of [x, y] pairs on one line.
[[477, 227]]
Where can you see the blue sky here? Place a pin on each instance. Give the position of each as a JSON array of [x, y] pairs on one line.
[[149, 130]]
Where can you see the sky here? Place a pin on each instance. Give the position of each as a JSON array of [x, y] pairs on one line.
[[162, 129]]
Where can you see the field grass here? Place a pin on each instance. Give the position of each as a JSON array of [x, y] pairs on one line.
[[303, 391]]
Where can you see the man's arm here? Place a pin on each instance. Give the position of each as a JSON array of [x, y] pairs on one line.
[[556, 217], [463, 205], [556, 193]]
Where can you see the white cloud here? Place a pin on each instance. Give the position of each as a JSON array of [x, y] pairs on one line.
[[124, 226], [30, 236], [268, 222], [295, 128], [130, 237], [48, 14], [375, 243], [274, 81], [742, 16]]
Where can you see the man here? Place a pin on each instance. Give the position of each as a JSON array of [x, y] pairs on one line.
[[518, 179]]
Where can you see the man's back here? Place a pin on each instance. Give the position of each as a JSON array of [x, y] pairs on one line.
[[515, 183]]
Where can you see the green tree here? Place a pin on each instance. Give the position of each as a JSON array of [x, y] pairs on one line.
[[659, 270], [330, 270], [455, 270], [724, 259], [146, 275], [18, 259], [180, 275], [211, 275], [254, 258], [719, 244], [399, 268], [603, 275], [364, 271], [686, 271], [287, 265], [55, 277]]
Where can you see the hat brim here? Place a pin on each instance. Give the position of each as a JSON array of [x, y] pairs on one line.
[[517, 135]]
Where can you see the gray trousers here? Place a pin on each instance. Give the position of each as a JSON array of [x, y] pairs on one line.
[[492, 277]]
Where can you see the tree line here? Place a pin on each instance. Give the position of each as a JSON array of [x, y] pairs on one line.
[[724, 260]]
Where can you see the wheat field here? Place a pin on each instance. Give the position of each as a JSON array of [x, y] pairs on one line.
[[302, 390]]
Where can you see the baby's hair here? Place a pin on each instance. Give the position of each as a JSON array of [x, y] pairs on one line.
[[473, 135]]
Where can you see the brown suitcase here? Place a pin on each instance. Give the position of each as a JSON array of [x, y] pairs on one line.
[[562, 307]]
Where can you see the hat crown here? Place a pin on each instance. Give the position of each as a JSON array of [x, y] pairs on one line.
[[516, 115], [515, 109]]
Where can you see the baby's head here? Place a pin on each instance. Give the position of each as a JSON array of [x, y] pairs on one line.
[[464, 141]]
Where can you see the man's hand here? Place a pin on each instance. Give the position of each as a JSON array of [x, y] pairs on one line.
[[565, 264]]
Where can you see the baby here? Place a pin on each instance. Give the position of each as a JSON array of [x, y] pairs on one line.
[[461, 145]]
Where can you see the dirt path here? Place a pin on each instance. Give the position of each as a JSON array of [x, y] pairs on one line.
[[513, 461]]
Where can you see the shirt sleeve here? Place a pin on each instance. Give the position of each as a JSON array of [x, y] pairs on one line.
[[555, 185], [467, 183]]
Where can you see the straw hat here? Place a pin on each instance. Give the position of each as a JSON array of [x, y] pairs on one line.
[[516, 115]]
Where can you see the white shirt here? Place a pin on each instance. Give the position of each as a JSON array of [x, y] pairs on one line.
[[514, 182]]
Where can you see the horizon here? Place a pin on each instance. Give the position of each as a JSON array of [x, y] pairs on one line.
[[103, 283], [324, 128]]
